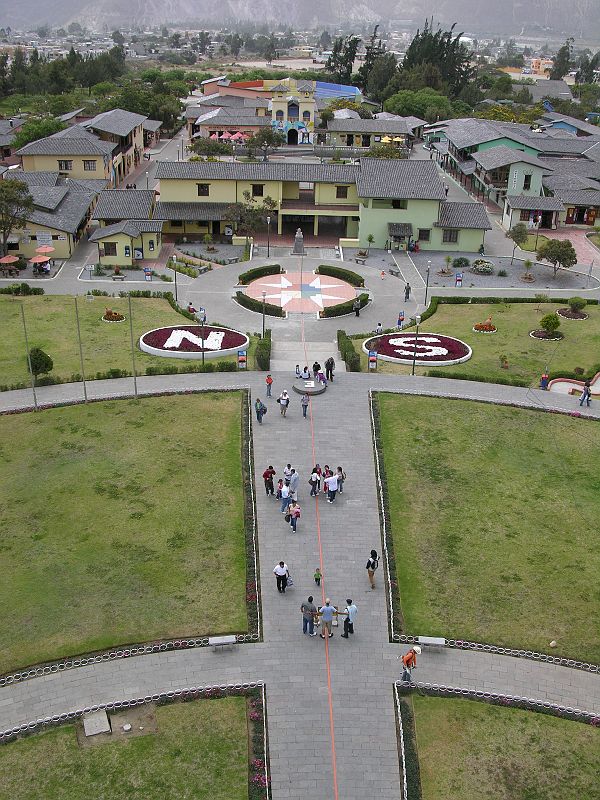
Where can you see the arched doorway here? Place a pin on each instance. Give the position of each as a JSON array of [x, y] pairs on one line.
[[293, 136]]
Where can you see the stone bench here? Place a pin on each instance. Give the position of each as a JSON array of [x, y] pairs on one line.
[[222, 641], [233, 260], [360, 260], [394, 271], [432, 641], [118, 277]]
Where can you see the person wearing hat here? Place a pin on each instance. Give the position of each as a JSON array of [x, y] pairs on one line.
[[409, 660]]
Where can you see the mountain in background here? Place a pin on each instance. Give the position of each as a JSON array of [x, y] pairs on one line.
[[577, 18]]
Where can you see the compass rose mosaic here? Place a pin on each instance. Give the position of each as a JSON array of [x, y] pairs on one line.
[[301, 292]]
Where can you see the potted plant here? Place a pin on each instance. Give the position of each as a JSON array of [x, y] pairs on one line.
[[447, 270]]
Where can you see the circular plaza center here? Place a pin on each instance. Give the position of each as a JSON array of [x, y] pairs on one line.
[[301, 292]]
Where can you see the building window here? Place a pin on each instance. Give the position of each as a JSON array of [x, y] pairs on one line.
[[151, 245], [257, 189], [127, 251], [110, 248], [400, 203], [424, 234], [65, 166], [527, 182], [341, 192], [450, 237], [279, 116], [203, 189], [306, 116], [524, 216], [89, 166]]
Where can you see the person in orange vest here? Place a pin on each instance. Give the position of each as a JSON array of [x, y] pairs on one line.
[[409, 660]]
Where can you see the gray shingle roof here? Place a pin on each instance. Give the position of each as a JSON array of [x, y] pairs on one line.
[[72, 145], [579, 197], [117, 122], [130, 227], [463, 215], [381, 126], [502, 156], [566, 181], [583, 167], [400, 228], [575, 145], [579, 124], [68, 215], [528, 203], [541, 89], [11, 125], [46, 197], [225, 120], [124, 204], [71, 114], [152, 124], [259, 171], [190, 212], [35, 178], [399, 178], [305, 86]]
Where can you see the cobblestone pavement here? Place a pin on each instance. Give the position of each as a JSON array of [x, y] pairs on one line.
[[331, 719]]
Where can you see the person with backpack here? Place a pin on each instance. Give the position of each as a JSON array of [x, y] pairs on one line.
[[268, 479], [409, 661], [293, 514], [314, 483], [316, 370], [372, 565], [261, 410]]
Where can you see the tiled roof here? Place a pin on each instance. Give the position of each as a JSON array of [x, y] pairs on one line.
[[400, 228], [152, 124], [471, 132], [225, 119], [71, 145], [382, 126], [576, 145], [191, 212], [579, 124], [541, 89], [71, 114], [35, 178], [130, 227], [581, 167], [11, 125], [399, 178], [68, 215], [566, 181], [257, 171], [502, 156], [463, 215], [117, 122], [48, 198], [467, 167], [579, 197], [124, 204], [305, 86], [528, 203]]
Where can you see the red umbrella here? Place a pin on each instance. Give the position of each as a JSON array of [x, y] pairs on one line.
[[39, 260], [45, 248], [226, 135], [214, 136], [9, 259]]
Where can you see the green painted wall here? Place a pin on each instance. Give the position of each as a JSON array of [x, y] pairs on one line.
[[421, 213]]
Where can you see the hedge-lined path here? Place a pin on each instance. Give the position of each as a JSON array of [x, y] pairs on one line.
[[304, 678]]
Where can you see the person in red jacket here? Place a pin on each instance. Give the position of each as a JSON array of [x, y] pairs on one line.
[[409, 661], [268, 479]]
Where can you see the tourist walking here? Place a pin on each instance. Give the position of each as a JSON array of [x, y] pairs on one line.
[[316, 370], [260, 409], [341, 477], [309, 612], [329, 367], [285, 497], [317, 576], [356, 307], [332, 487], [304, 401], [409, 661], [294, 483], [326, 615], [269, 382], [407, 292], [372, 566], [314, 483], [268, 475], [284, 401], [350, 613], [586, 395], [294, 515], [282, 574]]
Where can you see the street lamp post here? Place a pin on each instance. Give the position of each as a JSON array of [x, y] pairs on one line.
[[427, 282], [418, 321], [264, 297], [268, 237], [175, 271], [203, 321], [537, 231], [146, 179]]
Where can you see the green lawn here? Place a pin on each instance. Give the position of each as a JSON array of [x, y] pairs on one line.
[[494, 517], [595, 239], [529, 245], [122, 522], [200, 752], [51, 325], [527, 357], [474, 750]]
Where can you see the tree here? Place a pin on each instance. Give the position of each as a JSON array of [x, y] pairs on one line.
[[406, 103], [519, 235], [40, 362], [587, 68], [204, 146], [265, 140], [550, 323], [373, 50], [527, 265], [562, 61], [326, 115], [444, 50], [16, 205], [370, 241], [387, 151], [270, 49], [117, 37], [362, 109], [340, 62], [559, 252], [248, 216], [379, 76]]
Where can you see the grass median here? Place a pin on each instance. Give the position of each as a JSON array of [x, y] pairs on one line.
[[494, 515], [123, 522]]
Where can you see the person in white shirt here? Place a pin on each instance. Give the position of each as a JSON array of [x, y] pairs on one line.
[[286, 497], [281, 573], [332, 487], [350, 616]]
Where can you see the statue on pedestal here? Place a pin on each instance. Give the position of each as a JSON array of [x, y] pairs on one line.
[[298, 243]]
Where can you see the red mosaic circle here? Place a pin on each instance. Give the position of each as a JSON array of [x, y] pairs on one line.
[[190, 341], [432, 349], [301, 292]]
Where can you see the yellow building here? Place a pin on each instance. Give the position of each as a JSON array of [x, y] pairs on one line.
[[125, 130], [124, 243], [293, 110], [73, 153]]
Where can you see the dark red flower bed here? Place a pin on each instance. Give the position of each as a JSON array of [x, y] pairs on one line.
[[158, 338], [432, 348]]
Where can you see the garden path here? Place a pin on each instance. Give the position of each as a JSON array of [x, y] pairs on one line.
[[330, 704]]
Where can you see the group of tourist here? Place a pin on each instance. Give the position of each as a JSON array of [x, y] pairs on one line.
[[332, 482]]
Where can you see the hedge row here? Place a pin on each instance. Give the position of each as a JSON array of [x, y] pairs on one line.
[[258, 272], [257, 305], [347, 351], [343, 274], [345, 308], [464, 376], [21, 289], [263, 352]]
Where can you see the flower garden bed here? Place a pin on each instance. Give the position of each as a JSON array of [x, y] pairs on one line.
[[568, 313], [112, 316], [432, 349], [193, 341], [545, 336]]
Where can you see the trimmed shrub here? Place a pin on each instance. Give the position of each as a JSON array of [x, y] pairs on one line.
[[40, 362], [21, 289], [226, 366], [577, 303], [464, 376], [345, 308], [347, 275], [258, 272], [257, 305], [263, 352], [461, 263], [347, 351]]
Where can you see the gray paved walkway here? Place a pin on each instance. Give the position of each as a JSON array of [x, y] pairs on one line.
[[305, 678]]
